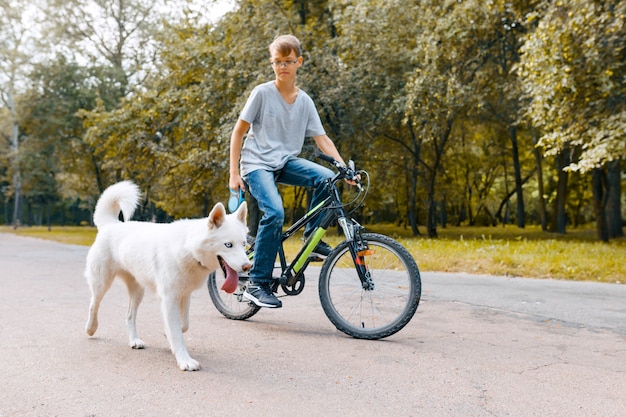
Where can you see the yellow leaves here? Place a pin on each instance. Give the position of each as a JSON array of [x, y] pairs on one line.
[[569, 66]]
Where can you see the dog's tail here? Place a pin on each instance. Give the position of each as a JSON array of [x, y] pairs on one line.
[[123, 196]]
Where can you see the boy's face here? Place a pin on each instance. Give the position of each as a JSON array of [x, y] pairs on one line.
[[285, 66]]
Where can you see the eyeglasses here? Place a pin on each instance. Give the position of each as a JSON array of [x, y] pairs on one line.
[[283, 63]]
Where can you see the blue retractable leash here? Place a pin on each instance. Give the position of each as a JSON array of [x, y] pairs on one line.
[[235, 200]]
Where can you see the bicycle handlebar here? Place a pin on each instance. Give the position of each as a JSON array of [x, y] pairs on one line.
[[345, 171]]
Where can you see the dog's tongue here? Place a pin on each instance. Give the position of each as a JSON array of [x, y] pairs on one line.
[[232, 279]]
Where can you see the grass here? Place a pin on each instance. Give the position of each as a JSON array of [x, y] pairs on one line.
[[507, 251], [511, 251], [73, 235]]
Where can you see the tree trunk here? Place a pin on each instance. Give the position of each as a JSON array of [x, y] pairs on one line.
[[560, 214], [412, 218], [48, 220], [17, 186], [598, 186], [521, 221], [6, 210], [504, 204], [412, 209], [439, 148], [613, 202], [96, 171], [413, 169], [443, 214], [17, 179], [543, 213], [431, 223], [431, 210]]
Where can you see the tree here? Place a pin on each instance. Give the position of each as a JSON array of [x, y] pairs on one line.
[[50, 108], [180, 125], [16, 51], [503, 98], [115, 33], [454, 45], [572, 67], [117, 42], [613, 204], [420, 93], [543, 213], [375, 49], [475, 168]]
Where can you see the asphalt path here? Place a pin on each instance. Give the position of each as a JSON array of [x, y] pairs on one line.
[[478, 346]]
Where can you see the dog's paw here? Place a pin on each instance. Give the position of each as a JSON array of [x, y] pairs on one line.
[[136, 343], [91, 327], [188, 364]]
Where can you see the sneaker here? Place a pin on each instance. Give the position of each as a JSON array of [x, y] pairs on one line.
[[262, 295], [321, 251]]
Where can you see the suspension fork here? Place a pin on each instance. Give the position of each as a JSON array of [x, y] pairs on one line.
[[358, 250]]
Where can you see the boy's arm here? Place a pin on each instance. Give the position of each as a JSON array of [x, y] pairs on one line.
[[327, 146], [236, 142]]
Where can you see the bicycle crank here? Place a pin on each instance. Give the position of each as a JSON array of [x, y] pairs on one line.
[[294, 285]]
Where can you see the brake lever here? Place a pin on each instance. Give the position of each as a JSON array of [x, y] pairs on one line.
[[352, 175]]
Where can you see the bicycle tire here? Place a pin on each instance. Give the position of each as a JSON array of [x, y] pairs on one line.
[[370, 314], [232, 306]]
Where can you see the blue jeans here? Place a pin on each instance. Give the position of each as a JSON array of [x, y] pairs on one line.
[[262, 185]]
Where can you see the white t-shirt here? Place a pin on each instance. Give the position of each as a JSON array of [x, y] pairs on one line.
[[277, 129]]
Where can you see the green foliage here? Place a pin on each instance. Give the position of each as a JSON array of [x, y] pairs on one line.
[[57, 167], [419, 93], [180, 125], [573, 68]]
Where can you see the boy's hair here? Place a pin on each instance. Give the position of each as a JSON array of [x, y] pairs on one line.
[[284, 44]]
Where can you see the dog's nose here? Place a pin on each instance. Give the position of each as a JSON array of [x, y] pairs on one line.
[[246, 267]]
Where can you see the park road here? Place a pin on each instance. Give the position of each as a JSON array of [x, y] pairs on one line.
[[478, 346]]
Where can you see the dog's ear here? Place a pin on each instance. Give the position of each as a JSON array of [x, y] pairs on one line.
[[242, 212], [217, 216]]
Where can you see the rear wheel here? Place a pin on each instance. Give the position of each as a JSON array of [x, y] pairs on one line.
[[374, 311], [233, 306]]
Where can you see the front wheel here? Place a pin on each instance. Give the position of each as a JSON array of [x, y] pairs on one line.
[[233, 306], [370, 311]]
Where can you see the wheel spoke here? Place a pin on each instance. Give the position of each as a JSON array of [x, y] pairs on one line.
[[371, 313], [233, 306]]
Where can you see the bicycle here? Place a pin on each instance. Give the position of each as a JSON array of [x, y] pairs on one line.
[[369, 285]]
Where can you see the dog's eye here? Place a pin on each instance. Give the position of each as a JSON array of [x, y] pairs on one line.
[[228, 245]]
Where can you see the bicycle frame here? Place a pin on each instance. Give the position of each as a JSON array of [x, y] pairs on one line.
[[301, 260], [379, 309], [291, 271]]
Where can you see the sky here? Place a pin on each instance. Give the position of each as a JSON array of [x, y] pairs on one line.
[[213, 10], [24, 19]]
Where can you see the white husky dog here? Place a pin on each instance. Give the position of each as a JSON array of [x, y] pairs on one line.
[[174, 259]]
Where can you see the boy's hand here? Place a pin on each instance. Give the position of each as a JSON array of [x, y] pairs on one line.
[[236, 183], [353, 182], [356, 178]]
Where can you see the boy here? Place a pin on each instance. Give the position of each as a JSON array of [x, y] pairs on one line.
[[277, 116]]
